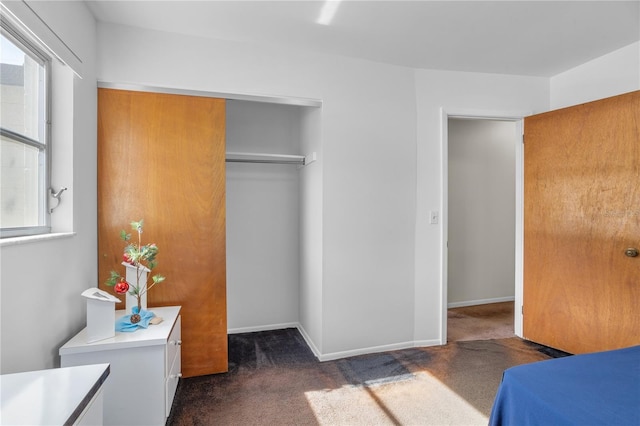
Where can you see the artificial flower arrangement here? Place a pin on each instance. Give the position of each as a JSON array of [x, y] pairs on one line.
[[143, 258]]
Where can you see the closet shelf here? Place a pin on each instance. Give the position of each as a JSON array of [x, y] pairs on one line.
[[252, 157]]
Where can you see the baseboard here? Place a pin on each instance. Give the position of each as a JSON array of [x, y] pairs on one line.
[[310, 343], [481, 302], [376, 349], [365, 351], [263, 328], [336, 355], [427, 343]]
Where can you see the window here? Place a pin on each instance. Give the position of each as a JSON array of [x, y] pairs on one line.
[[24, 135]]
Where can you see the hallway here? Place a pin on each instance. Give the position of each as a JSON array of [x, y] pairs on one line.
[[480, 322]]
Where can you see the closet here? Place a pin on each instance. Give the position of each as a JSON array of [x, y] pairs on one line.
[[229, 192], [263, 187]]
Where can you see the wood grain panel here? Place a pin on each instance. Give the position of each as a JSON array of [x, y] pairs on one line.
[[582, 210], [161, 158]]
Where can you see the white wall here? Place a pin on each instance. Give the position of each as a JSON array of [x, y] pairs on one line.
[[609, 75], [311, 259], [263, 211], [369, 147], [41, 282], [481, 211], [480, 94], [367, 161]]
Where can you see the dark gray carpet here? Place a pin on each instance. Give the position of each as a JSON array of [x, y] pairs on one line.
[[274, 379]]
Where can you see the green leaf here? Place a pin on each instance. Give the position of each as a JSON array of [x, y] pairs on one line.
[[113, 279], [124, 236], [158, 279]]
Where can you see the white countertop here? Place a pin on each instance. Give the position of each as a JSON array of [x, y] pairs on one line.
[[49, 397], [152, 335]]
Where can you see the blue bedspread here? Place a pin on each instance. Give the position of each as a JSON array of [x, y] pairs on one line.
[[601, 388]]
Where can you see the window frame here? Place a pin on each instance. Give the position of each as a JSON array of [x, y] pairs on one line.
[[38, 53]]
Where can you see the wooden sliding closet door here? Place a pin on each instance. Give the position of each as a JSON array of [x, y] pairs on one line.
[[161, 158], [581, 213]]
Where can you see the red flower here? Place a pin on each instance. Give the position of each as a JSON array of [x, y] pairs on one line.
[[121, 287]]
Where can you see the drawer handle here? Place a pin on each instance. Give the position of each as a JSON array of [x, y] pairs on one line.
[[176, 342], [176, 376]]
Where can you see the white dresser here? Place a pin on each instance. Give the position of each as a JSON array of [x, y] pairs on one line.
[[145, 369]]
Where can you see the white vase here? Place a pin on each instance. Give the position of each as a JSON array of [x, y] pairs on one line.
[[132, 278]]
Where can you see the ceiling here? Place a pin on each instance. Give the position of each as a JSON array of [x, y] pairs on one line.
[[537, 38]]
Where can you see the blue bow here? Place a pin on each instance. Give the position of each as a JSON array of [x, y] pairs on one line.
[[124, 323]]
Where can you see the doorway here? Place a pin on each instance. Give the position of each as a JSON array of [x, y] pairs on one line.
[[482, 212]]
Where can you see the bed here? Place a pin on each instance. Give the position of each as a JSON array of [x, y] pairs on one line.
[[601, 388]]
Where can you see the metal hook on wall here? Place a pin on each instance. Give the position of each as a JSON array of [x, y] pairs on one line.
[[57, 196]]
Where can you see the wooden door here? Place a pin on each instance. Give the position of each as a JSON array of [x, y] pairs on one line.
[[581, 211], [161, 158]]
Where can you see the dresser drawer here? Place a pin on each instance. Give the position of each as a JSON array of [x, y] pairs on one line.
[[173, 346], [171, 383]]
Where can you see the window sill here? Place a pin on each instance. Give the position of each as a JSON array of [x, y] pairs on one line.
[[35, 238]]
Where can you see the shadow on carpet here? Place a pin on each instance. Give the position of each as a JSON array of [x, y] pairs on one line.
[[274, 378]]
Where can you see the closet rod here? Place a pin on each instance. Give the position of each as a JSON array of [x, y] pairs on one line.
[[252, 157], [238, 160]]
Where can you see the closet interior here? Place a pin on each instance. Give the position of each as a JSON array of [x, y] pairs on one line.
[[268, 157]]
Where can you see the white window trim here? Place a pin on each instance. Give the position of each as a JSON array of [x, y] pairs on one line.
[[12, 241], [24, 41]]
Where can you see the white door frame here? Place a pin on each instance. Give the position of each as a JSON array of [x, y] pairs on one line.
[[518, 118]]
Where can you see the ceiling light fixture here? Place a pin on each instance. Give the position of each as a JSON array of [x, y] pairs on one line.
[[328, 11]]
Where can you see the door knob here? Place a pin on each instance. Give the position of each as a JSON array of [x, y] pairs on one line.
[[631, 252]]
